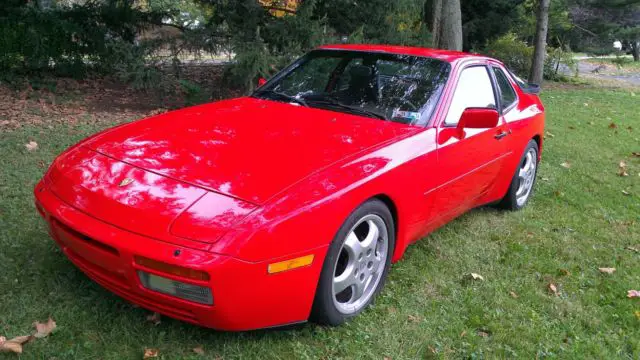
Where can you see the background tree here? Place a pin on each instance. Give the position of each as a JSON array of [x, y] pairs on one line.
[[445, 20], [540, 49], [611, 20], [486, 20]]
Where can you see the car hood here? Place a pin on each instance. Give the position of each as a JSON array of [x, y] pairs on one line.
[[141, 201], [246, 148]]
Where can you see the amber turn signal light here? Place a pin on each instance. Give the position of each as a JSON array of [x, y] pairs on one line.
[[172, 269], [290, 264]]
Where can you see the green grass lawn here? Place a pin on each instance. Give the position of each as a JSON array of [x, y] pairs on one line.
[[578, 220]]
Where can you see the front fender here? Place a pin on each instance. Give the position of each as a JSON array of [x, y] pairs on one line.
[[309, 214]]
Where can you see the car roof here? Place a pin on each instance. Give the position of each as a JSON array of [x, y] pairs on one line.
[[444, 55]]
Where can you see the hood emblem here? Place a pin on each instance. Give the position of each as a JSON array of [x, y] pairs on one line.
[[125, 182]]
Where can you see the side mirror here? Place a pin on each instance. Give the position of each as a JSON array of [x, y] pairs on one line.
[[262, 81], [479, 118]]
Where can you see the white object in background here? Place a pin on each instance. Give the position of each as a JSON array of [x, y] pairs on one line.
[[617, 45]]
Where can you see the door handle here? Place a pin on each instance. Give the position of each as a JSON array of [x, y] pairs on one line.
[[501, 134]]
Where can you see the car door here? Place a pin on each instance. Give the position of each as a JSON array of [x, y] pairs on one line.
[[468, 161]]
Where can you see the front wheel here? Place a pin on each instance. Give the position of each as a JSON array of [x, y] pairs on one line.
[[523, 180], [356, 264]]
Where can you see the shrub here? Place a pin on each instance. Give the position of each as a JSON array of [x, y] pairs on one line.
[[555, 60], [620, 61], [67, 41], [513, 52]]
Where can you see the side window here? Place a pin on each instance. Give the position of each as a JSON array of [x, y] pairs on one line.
[[474, 90], [507, 94]]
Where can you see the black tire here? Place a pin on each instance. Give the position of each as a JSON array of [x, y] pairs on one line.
[[510, 200], [324, 311]]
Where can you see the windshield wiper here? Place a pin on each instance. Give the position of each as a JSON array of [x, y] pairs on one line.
[[352, 109], [285, 96]]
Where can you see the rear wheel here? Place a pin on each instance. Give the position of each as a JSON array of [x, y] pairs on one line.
[[521, 187], [356, 264]]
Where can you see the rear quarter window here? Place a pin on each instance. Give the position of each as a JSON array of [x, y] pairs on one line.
[[508, 95]]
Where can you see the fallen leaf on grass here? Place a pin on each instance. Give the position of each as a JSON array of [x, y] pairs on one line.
[[475, 276], [572, 127], [633, 294], [637, 314], [513, 294], [198, 350], [565, 272], [14, 345], [545, 179], [413, 318], [150, 353], [633, 248], [635, 153], [625, 192], [607, 270], [44, 329], [558, 193], [566, 165], [550, 135], [31, 145], [622, 169], [613, 126], [463, 333], [483, 333], [553, 289], [154, 318]]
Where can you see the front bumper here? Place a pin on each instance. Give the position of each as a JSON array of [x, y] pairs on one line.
[[245, 296]]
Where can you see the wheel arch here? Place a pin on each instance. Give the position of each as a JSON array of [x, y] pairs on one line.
[[401, 242], [392, 208]]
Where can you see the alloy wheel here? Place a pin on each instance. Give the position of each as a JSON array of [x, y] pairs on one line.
[[526, 176], [360, 264]]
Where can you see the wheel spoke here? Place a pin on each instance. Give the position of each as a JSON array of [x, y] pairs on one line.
[[522, 188], [522, 173], [353, 246], [343, 281], [358, 290], [369, 242], [376, 262], [528, 162]]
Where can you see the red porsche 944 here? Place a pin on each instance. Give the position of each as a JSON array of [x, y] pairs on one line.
[[291, 204]]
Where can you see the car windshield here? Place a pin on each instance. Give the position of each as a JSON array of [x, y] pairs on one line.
[[398, 88]]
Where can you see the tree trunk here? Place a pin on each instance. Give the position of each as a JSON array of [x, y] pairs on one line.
[[436, 21], [635, 50], [446, 24], [542, 25]]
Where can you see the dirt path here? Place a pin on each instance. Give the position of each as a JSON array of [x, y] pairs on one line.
[[594, 70]]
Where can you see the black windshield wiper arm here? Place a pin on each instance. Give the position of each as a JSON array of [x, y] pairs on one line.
[[353, 109], [285, 96]]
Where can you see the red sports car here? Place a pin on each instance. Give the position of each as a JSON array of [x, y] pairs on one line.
[[291, 204]]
